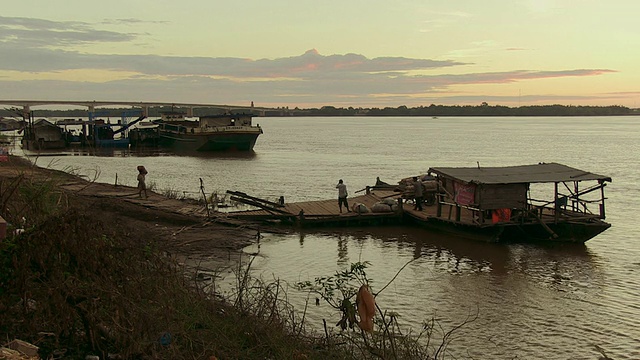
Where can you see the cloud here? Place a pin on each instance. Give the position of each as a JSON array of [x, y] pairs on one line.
[[310, 65], [38, 33], [37, 51], [513, 76]]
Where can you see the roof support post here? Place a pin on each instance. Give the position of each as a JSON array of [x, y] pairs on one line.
[[602, 212], [576, 202], [555, 202]]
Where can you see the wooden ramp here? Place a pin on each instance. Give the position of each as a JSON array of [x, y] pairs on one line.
[[318, 213]]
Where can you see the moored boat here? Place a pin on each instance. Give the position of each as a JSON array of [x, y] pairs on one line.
[[209, 133], [499, 203], [42, 134], [144, 134]]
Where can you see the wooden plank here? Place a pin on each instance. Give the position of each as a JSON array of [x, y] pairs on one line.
[[258, 204], [244, 195]]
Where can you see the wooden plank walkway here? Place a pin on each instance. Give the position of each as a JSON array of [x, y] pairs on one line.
[[323, 212], [327, 212]]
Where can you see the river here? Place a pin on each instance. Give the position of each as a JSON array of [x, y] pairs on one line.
[[531, 301]]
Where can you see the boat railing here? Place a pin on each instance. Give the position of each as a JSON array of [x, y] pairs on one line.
[[567, 205], [531, 212]]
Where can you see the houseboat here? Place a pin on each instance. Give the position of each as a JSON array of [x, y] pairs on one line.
[[42, 134], [541, 202], [208, 133]]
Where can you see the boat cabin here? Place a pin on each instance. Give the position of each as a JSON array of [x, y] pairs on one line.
[[225, 120], [505, 194], [172, 116], [42, 134]]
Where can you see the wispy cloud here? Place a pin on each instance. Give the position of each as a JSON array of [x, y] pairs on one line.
[[438, 19]]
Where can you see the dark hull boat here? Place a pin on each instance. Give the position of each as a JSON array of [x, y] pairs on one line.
[[227, 132]]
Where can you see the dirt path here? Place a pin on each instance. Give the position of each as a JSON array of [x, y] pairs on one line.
[[181, 227]]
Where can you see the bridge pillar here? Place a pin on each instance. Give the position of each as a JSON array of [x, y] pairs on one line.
[[26, 112]]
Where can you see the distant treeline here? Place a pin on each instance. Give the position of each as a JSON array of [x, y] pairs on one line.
[[433, 110], [481, 110]]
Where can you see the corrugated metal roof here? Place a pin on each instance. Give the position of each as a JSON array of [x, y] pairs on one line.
[[538, 173]]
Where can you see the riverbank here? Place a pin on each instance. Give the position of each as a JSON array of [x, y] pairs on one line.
[[180, 227], [96, 270]]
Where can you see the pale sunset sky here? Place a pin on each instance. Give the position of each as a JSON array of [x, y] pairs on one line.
[[300, 53]]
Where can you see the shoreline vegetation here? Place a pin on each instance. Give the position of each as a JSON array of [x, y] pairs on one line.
[[484, 109], [90, 269]]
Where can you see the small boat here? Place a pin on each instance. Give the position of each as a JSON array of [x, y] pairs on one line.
[[509, 203], [208, 133]]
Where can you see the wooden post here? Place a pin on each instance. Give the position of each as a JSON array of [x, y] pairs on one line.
[[457, 213], [204, 196], [3, 228]]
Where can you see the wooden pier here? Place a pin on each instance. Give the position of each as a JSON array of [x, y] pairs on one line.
[[324, 213], [318, 213]]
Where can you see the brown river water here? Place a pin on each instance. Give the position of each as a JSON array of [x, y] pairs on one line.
[[532, 301]]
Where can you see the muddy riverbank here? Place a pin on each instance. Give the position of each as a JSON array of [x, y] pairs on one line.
[[181, 227]]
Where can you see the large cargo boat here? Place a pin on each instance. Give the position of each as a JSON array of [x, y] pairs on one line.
[[225, 132]]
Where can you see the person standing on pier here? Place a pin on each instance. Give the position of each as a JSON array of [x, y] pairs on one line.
[[417, 193], [342, 195], [142, 185]]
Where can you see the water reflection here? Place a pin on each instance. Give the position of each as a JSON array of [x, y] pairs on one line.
[[512, 287], [500, 277], [140, 152], [244, 155], [555, 263]]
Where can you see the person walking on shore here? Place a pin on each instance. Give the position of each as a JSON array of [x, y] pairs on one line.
[[142, 185], [342, 195]]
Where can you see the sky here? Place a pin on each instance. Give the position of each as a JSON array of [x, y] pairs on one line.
[[306, 54]]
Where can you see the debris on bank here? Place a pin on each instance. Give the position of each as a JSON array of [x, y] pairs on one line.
[[19, 350]]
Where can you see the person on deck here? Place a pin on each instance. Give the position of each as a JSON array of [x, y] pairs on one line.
[[417, 193], [142, 186], [342, 195]]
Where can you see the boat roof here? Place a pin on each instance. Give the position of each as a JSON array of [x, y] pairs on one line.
[[537, 173]]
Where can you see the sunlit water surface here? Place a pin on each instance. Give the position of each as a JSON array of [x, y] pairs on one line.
[[531, 301]]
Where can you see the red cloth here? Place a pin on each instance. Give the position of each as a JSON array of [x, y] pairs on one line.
[[500, 215]]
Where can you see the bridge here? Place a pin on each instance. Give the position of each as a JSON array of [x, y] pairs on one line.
[[26, 105]]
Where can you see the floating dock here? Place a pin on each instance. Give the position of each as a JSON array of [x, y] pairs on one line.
[[326, 213], [318, 213]]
